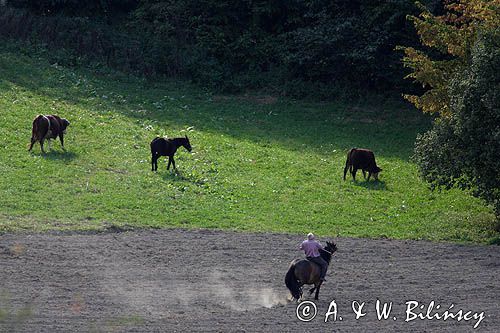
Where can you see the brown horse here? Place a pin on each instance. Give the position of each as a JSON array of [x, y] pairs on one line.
[[303, 271]]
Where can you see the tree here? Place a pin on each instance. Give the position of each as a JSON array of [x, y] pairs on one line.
[[460, 70], [449, 37]]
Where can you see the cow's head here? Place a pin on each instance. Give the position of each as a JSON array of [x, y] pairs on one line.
[[64, 124], [375, 172]]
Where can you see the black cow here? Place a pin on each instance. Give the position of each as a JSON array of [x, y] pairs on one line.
[[166, 147], [363, 159]]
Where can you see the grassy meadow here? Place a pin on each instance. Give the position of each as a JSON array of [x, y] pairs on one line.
[[259, 163]]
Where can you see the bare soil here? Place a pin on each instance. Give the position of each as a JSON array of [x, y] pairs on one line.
[[201, 280]]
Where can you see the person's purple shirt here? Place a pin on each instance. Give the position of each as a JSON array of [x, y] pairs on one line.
[[311, 248]]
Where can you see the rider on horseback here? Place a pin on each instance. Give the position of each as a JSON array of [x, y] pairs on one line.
[[311, 248]]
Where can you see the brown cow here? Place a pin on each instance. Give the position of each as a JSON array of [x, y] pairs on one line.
[[363, 159], [46, 128]]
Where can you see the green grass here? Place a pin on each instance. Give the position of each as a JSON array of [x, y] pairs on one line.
[[257, 164]]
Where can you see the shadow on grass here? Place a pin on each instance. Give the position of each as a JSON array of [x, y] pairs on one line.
[[288, 124], [175, 176], [179, 176], [377, 185], [56, 155]]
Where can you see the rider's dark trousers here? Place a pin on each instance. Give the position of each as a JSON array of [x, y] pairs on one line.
[[322, 263]]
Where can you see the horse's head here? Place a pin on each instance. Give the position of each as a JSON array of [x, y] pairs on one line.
[[331, 247], [186, 144]]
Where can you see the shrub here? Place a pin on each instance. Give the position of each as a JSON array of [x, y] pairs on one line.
[[463, 150]]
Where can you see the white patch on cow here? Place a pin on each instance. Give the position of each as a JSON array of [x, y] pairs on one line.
[[48, 135]]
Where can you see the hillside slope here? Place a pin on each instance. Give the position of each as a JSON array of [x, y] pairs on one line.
[[258, 163]]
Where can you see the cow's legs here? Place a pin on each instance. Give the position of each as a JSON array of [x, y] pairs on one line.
[[41, 146], [364, 174], [369, 175], [173, 163], [33, 140], [345, 170], [49, 143], [353, 172], [61, 137]]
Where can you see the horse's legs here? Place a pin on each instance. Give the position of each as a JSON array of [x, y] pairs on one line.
[[173, 163], [364, 174], [353, 172], [317, 290], [312, 290], [369, 175], [169, 161], [154, 164], [157, 157]]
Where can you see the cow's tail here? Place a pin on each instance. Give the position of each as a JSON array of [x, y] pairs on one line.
[[291, 282], [348, 163], [35, 127]]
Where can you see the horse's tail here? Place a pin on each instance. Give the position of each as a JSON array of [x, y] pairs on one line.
[[152, 144], [291, 282]]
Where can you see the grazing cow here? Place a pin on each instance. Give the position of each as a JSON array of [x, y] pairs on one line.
[[363, 159], [46, 128], [166, 147]]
